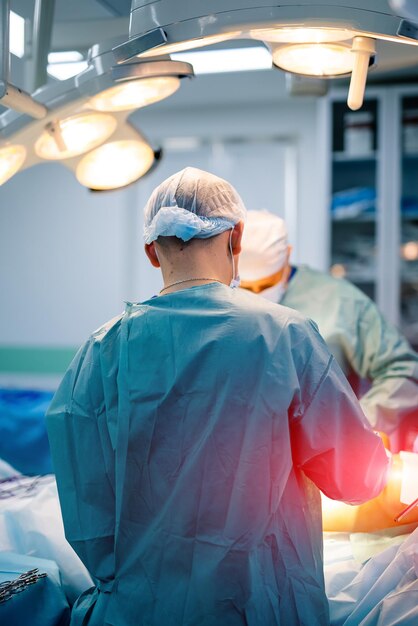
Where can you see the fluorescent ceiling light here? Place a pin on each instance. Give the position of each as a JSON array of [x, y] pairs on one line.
[[17, 34], [115, 164], [233, 60], [67, 56], [63, 71], [64, 65], [181, 144]]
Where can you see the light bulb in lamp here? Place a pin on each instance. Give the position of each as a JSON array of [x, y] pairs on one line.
[[135, 94], [302, 35], [115, 164], [74, 135], [312, 59], [11, 160]]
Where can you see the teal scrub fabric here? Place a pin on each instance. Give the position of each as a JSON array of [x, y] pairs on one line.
[[189, 438], [363, 343], [42, 603]]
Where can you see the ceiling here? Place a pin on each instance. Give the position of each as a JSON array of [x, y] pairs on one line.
[[117, 7]]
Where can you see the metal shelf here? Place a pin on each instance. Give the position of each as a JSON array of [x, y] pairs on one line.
[[360, 278], [359, 219], [357, 279], [342, 157], [369, 218], [394, 175]]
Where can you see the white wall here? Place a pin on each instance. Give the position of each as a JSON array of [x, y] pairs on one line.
[[69, 257], [62, 258]]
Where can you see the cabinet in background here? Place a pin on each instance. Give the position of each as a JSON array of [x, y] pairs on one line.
[[374, 200]]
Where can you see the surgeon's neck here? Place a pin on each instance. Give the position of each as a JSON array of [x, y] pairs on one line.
[[197, 262]]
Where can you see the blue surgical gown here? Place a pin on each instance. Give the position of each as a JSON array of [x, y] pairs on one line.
[[189, 438]]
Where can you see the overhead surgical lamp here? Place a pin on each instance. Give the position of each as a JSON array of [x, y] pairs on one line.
[[135, 94], [115, 164], [328, 39], [83, 123], [11, 96], [323, 60], [11, 160], [69, 137]]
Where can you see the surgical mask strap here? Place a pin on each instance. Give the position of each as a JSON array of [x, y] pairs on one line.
[[236, 281]]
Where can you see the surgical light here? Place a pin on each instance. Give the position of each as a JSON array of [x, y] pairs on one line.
[[135, 94], [11, 160], [165, 26], [323, 60], [68, 121], [75, 135], [115, 164]]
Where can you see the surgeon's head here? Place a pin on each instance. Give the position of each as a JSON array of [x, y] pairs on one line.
[[264, 259], [193, 224]]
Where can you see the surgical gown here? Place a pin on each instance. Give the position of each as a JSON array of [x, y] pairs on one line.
[[189, 437], [365, 345]]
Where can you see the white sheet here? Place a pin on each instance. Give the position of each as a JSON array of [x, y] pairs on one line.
[[381, 592], [31, 523], [6, 470]]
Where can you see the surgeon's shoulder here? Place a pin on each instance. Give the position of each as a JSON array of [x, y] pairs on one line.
[[325, 285], [104, 338], [107, 332]]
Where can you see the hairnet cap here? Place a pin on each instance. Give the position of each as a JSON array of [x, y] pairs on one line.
[[192, 203], [264, 246]]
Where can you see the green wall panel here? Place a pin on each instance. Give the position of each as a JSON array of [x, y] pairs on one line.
[[35, 360]]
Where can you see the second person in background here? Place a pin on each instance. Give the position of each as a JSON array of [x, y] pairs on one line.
[[365, 345]]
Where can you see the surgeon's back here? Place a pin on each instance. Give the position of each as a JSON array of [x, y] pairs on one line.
[[189, 438]]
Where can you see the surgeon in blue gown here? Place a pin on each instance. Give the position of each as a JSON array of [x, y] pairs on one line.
[[191, 435]]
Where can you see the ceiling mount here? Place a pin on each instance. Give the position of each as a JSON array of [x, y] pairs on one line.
[[11, 96]]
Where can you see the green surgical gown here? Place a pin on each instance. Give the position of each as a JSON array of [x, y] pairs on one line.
[[364, 344], [189, 438]]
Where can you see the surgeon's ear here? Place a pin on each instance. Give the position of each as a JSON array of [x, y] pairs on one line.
[[151, 253], [237, 237]]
